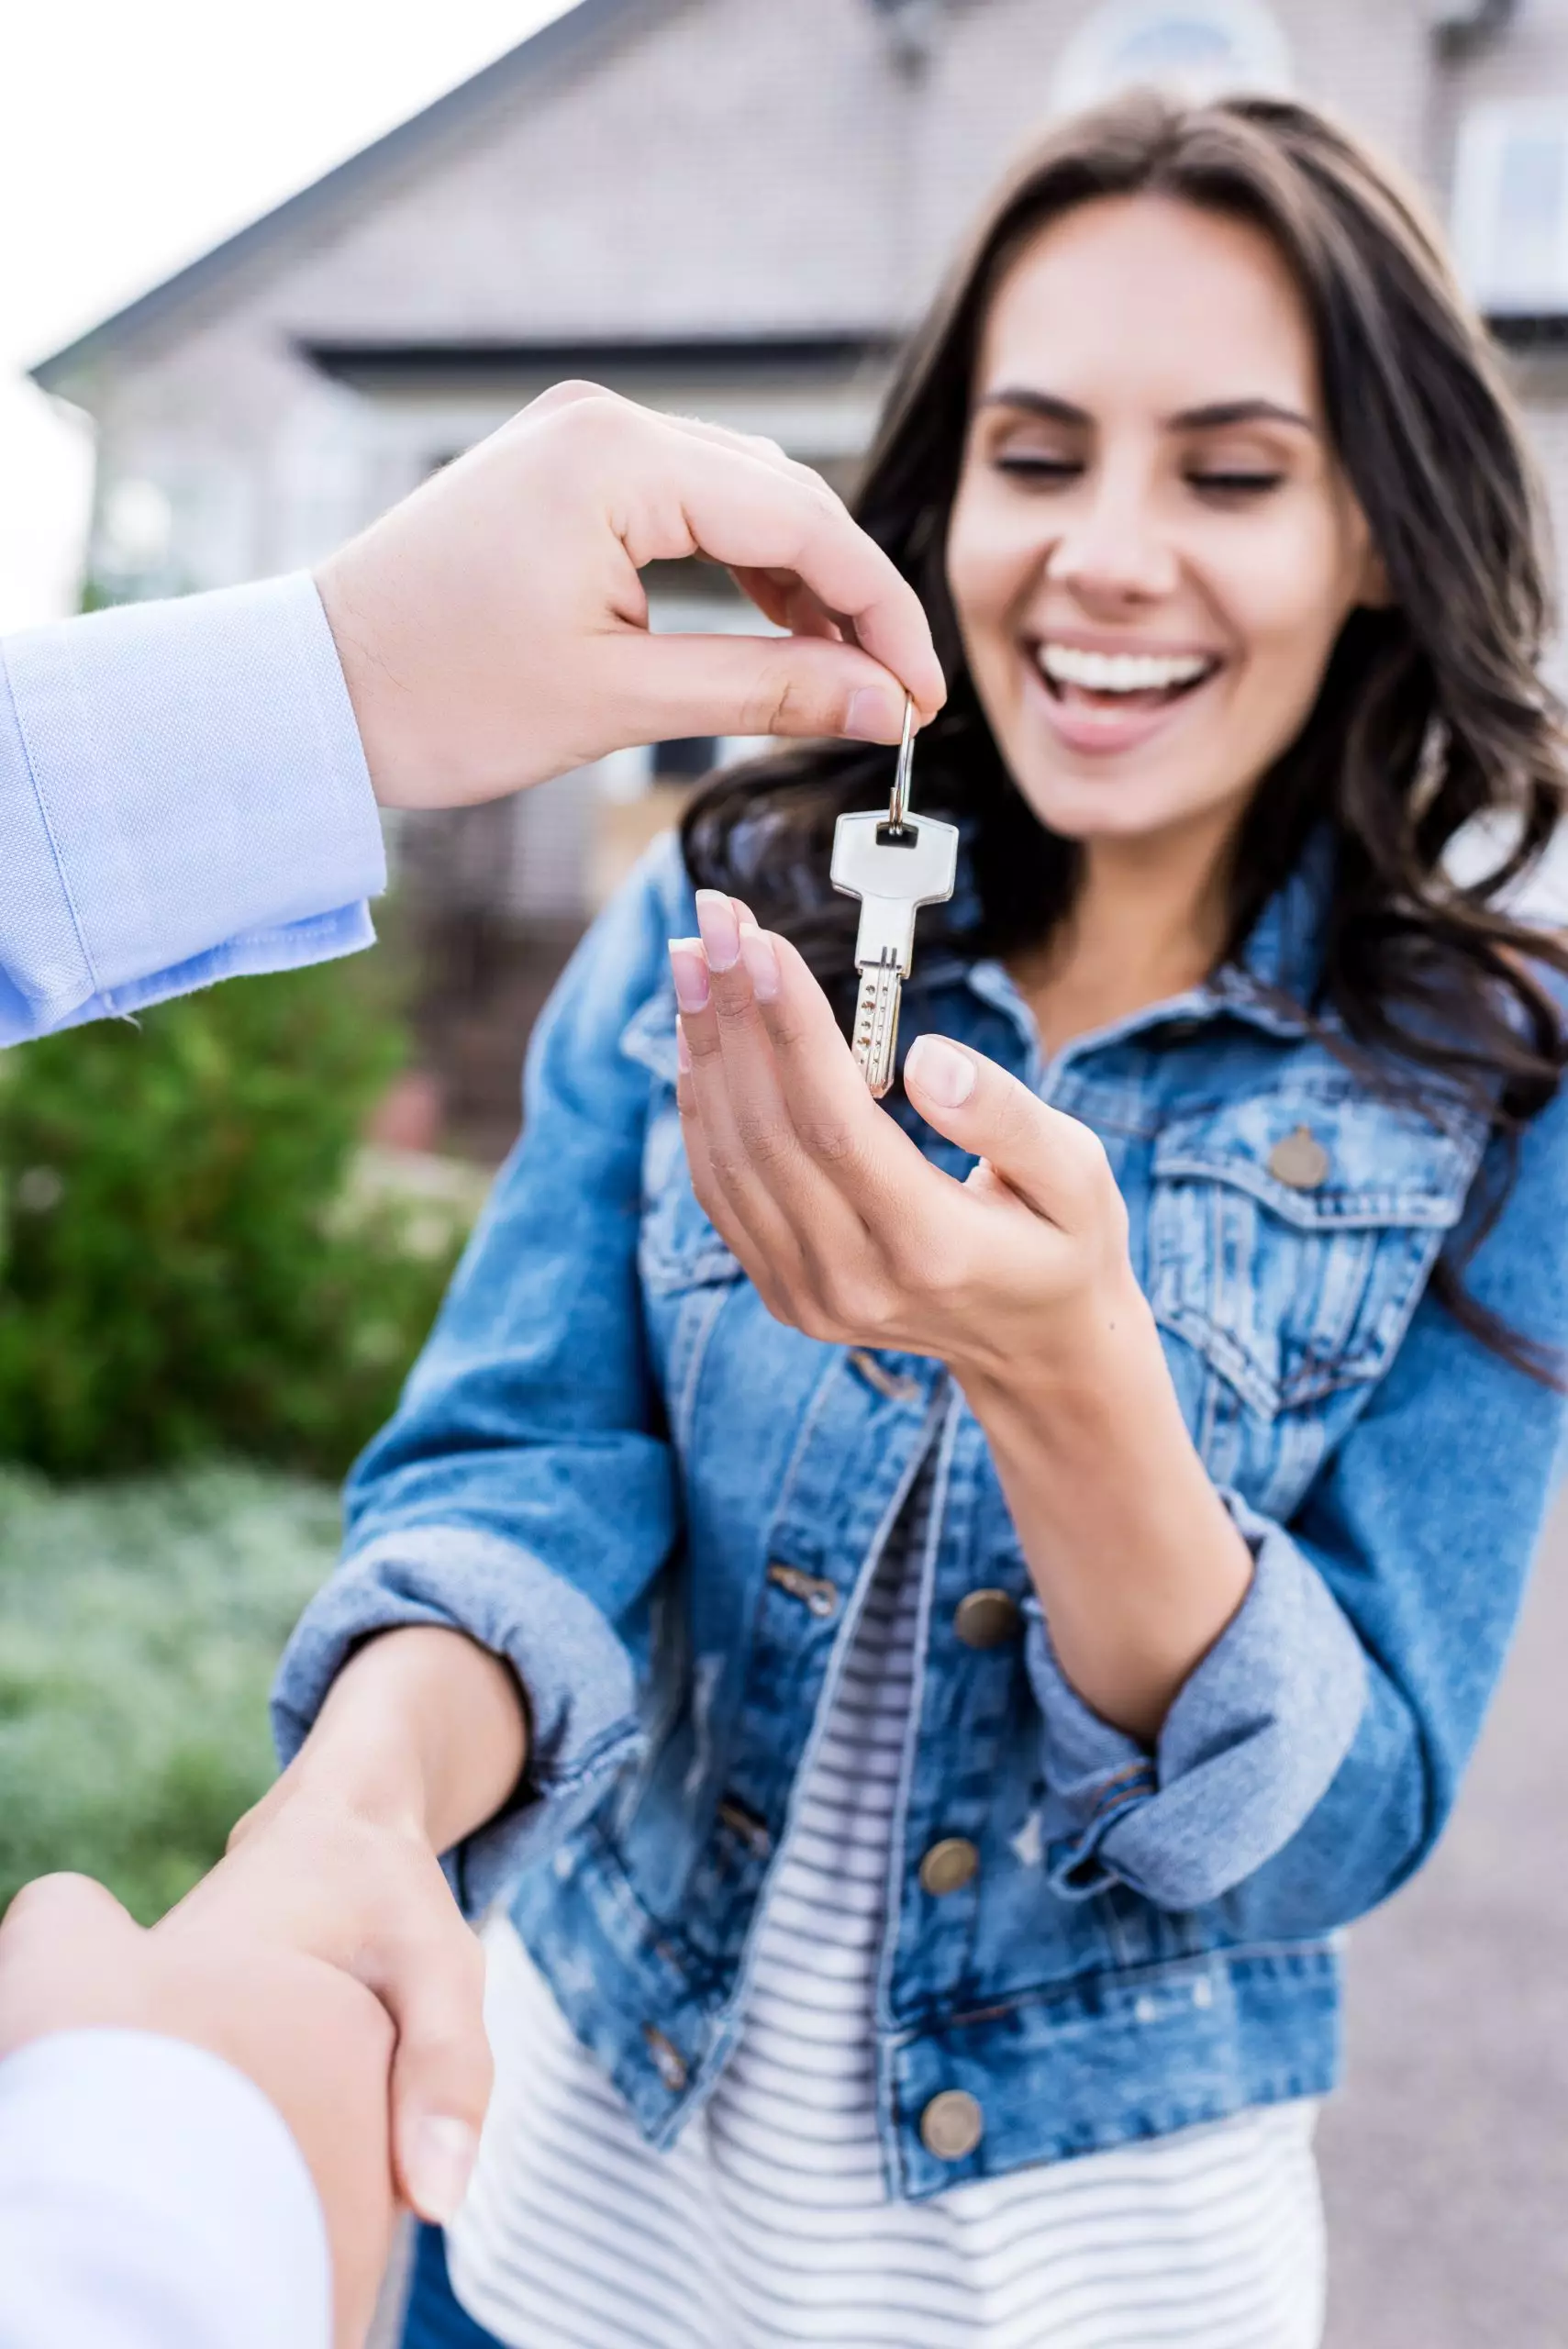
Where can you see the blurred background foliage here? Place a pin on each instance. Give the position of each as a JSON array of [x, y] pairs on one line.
[[142, 1624], [210, 1292], [188, 1264]]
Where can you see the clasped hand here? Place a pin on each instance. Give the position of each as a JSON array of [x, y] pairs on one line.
[[847, 1230]]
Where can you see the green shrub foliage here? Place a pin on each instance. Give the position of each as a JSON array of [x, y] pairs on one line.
[[143, 1622], [185, 1267]]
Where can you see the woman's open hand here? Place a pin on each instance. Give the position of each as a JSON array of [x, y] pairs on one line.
[[847, 1231], [1018, 1279]]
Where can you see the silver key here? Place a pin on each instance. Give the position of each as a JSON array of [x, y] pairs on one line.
[[894, 867]]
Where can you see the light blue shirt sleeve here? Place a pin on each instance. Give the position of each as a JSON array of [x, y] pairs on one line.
[[183, 797], [150, 2198]]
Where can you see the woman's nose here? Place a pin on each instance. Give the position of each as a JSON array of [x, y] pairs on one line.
[[1111, 552]]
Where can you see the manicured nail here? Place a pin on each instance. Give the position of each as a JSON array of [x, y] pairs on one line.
[[720, 930], [875, 714], [762, 961], [943, 1071], [682, 1051], [688, 968], [441, 2155]]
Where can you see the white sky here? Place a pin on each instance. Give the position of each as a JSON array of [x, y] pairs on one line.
[[132, 136]]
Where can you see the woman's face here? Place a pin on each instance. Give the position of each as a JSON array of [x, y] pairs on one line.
[[1152, 548]]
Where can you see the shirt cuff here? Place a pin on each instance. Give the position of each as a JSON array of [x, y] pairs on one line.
[[151, 2195], [182, 796], [575, 1675], [1247, 1752]]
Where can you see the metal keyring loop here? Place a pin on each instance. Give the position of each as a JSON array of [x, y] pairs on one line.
[[898, 805]]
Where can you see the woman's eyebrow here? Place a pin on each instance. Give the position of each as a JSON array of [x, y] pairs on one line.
[[1218, 414], [1047, 403], [1214, 417]]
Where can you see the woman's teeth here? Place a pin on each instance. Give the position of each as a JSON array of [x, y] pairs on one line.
[[1064, 665]]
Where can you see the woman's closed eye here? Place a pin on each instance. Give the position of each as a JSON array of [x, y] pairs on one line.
[[1048, 468], [1043, 469], [1234, 482]]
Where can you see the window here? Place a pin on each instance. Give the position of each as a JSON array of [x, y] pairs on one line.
[[1198, 48], [1510, 205]]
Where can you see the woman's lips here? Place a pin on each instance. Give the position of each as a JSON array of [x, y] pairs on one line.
[[1101, 725]]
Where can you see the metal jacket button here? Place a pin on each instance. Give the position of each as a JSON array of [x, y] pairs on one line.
[[949, 1866], [1299, 1161], [952, 2125], [988, 1619]]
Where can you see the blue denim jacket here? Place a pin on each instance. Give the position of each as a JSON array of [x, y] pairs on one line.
[[613, 1468]]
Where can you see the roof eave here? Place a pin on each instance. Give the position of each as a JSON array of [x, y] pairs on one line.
[[551, 45]]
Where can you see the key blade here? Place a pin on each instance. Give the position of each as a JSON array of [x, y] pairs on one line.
[[875, 1040]]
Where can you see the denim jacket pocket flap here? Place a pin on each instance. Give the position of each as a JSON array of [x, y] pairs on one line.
[[1291, 1235]]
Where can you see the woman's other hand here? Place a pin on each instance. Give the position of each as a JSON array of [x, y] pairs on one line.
[[848, 1233], [420, 1741]]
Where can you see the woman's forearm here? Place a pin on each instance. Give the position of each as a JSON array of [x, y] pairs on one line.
[[1138, 1562], [424, 1726]]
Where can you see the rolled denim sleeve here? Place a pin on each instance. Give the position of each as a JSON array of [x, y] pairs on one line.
[[578, 1678], [183, 797], [525, 1492], [1249, 1748]]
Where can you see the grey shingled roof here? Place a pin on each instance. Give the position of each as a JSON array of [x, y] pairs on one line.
[[579, 30]]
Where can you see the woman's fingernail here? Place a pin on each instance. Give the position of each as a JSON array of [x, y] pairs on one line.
[[682, 1051], [720, 930], [943, 1071], [875, 714], [688, 968], [757, 953], [440, 2162]]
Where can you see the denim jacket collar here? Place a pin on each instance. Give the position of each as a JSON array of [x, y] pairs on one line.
[[1268, 986]]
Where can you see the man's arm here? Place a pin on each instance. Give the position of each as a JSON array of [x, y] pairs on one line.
[[183, 798], [187, 790], [192, 2136]]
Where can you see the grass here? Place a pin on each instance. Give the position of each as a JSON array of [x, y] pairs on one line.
[[140, 1626]]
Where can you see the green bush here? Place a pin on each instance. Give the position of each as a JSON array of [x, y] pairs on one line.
[[182, 1268], [143, 1623]]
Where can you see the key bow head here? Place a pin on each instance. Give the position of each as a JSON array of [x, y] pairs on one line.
[[918, 866]]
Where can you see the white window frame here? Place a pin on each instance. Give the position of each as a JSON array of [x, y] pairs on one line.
[[1485, 136], [1088, 70]]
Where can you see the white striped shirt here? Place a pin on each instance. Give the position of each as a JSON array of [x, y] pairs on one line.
[[768, 2223]]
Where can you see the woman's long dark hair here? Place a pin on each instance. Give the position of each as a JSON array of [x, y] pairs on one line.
[[1430, 713]]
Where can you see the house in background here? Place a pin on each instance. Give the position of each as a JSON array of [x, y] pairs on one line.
[[734, 210]]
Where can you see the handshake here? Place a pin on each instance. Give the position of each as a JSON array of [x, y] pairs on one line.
[[316, 2041]]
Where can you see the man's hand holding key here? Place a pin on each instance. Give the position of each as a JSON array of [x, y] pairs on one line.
[[846, 1230]]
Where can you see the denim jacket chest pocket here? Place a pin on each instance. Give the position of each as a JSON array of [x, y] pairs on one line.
[[1290, 1236]]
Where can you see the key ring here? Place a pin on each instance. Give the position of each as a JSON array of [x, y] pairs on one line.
[[898, 804]]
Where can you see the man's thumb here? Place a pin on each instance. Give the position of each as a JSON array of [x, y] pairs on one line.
[[69, 1908]]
